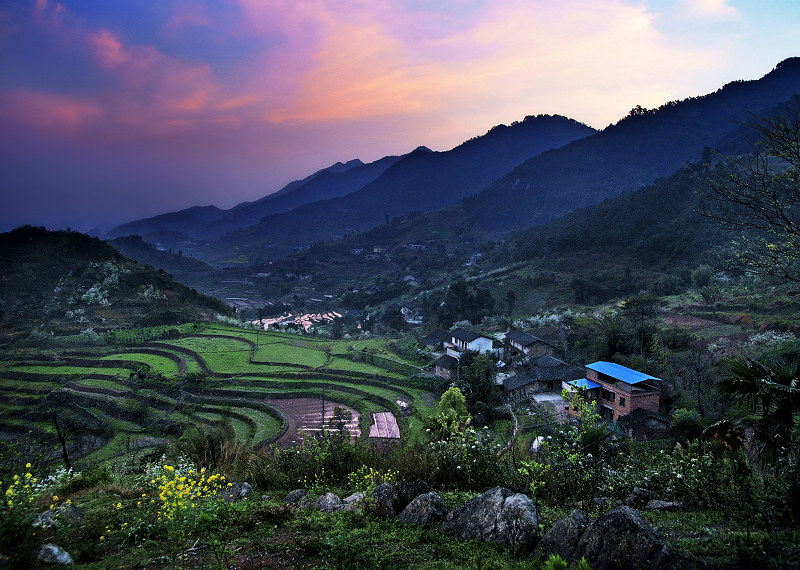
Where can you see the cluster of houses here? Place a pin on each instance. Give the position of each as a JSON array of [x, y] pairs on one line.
[[531, 368]]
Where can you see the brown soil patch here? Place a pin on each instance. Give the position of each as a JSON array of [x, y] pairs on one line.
[[305, 415]]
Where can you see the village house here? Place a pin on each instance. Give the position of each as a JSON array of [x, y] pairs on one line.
[[542, 374], [617, 390], [412, 313], [446, 367], [463, 339], [526, 345], [642, 424]]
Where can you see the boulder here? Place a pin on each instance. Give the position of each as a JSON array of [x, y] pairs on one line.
[[621, 538], [236, 492], [424, 510], [298, 498], [639, 498], [563, 537], [328, 503], [385, 499], [498, 515], [52, 554]]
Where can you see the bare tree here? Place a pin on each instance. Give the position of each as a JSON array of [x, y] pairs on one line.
[[758, 198]]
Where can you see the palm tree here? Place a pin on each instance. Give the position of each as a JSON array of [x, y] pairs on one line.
[[771, 388]]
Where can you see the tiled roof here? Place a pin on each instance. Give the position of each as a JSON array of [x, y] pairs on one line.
[[465, 335], [522, 338]]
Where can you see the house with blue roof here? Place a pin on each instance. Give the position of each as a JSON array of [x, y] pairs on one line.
[[617, 390]]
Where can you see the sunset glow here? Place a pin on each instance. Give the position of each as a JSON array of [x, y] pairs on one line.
[[113, 111]]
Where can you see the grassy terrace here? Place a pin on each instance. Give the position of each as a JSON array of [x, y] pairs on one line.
[[156, 363], [193, 379]]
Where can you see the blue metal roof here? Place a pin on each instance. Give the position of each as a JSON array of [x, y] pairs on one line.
[[583, 384], [620, 372]]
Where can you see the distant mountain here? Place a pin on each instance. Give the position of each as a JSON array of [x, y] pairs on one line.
[[421, 181], [70, 282], [641, 147], [210, 222]]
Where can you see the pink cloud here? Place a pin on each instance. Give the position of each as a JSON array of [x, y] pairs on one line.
[[46, 111]]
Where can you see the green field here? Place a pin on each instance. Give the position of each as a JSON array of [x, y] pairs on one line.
[[209, 374]]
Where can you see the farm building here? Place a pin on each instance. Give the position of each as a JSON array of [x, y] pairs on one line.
[[617, 390]]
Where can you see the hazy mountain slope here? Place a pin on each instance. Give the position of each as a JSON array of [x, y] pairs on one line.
[[422, 180], [623, 157], [326, 184], [68, 281], [174, 263], [209, 222]]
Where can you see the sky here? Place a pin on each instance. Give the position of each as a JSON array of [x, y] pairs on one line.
[[115, 110]]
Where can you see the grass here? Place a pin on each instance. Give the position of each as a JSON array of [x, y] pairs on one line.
[[60, 370], [101, 383], [160, 364]]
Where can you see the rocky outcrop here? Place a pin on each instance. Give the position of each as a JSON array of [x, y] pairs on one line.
[[563, 537], [425, 510], [498, 515], [52, 554], [621, 538]]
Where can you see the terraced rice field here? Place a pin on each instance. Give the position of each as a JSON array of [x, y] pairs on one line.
[[269, 387]]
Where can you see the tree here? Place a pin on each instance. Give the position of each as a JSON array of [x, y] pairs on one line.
[[642, 311], [476, 379], [758, 198], [771, 387]]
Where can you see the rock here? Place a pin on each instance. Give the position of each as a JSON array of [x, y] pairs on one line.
[[639, 498], [563, 537], [236, 492], [621, 538], [328, 503], [385, 497], [64, 514], [52, 554], [354, 498], [354, 502], [656, 505], [299, 498], [424, 510], [498, 515], [407, 492]]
